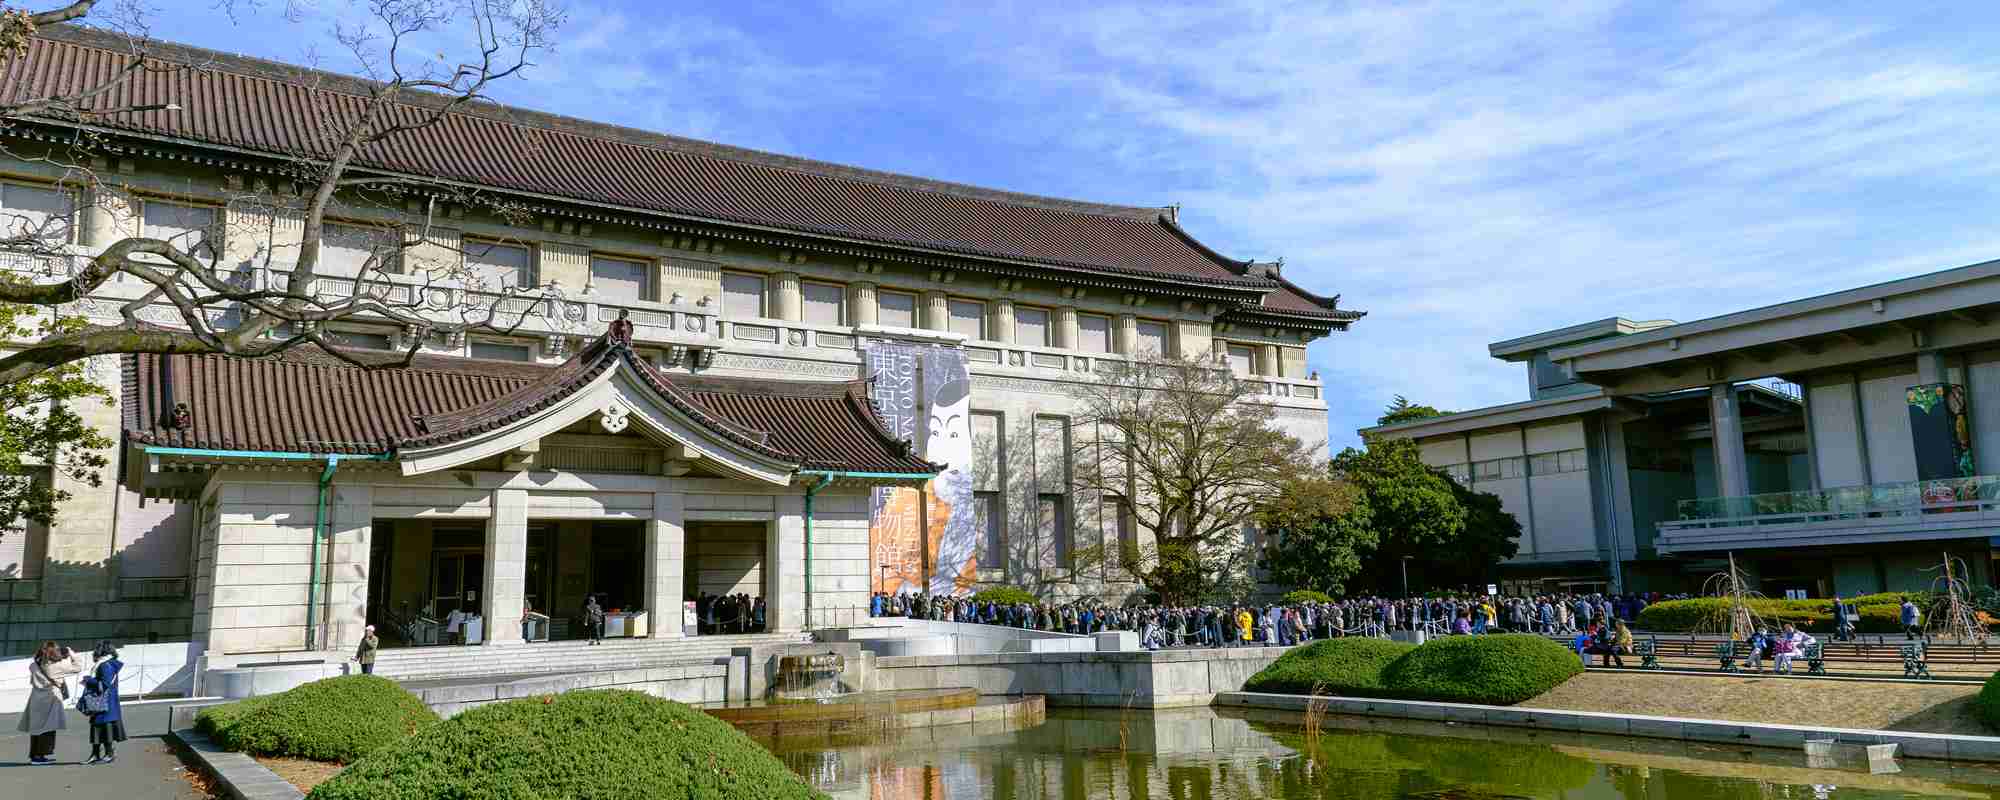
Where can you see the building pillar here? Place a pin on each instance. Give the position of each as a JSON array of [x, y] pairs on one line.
[[784, 566], [506, 567], [666, 555], [1732, 470], [349, 538], [1125, 338], [786, 301], [1932, 368], [861, 303], [1001, 327], [937, 311], [1267, 361], [1065, 332], [99, 224]]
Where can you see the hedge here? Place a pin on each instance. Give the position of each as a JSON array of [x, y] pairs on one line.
[[1880, 613], [335, 719], [582, 744], [1350, 667], [1987, 705], [1005, 595], [1500, 670], [1299, 596]]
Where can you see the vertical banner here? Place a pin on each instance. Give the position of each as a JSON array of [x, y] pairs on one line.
[[923, 394], [1941, 435]]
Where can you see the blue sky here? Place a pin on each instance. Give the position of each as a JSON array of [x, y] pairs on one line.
[[1466, 172]]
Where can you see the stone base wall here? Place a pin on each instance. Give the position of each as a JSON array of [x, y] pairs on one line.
[[24, 626], [700, 683], [1112, 680]]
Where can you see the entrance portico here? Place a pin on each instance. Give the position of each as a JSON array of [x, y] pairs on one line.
[[300, 462]]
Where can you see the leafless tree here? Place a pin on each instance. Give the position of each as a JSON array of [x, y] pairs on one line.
[[217, 304]]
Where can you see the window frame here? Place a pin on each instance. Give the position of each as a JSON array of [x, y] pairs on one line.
[[531, 274], [534, 354], [1048, 325], [1139, 338], [916, 307], [763, 293], [393, 266], [840, 311], [1110, 333], [648, 279], [981, 318], [72, 218], [1229, 358], [217, 222]]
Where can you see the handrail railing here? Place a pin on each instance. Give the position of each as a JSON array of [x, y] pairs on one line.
[[1881, 499]]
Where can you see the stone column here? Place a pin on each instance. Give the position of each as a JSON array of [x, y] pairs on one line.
[[350, 533], [506, 566], [1932, 368], [99, 223], [1267, 360], [1732, 470], [861, 303], [1000, 327], [784, 566], [786, 301], [666, 553], [1125, 338], [937, 311], [1065, 332]]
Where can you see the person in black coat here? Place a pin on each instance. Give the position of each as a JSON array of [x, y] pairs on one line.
[[107, 727]]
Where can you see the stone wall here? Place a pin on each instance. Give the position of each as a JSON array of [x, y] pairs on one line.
[[1162, 679], [694, 683]]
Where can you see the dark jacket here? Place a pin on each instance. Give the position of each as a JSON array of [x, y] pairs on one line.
[[105, 679]]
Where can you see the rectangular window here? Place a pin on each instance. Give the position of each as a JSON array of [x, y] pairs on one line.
[[968, 318], [347, 250], [1242, 360], [743, 296], [1572, 461], [1093, 333], [1052, 454], [1543, 464], [992, 535], [1125, 534], [498, 267], [40, 212], [1031, 326], [359, 339], [620, 278], [502, 351], [1152, 340], [192, 229], [826, 303], [988, 452], [896, 309], [1052, 523]]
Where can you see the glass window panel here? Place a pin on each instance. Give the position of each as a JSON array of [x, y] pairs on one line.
[[896, 309], [620, 279], [38, 211], [190, 228], [1152, 339], [1543, 464], [1052, 523], [346, 249], [1031, 326], [360, 339], [987, 516], [988, 449], [1052, 454], [501, 351], [498, 267], [1093, 333], [968, 318], [1242, 360], [826, 303], [742, 296]]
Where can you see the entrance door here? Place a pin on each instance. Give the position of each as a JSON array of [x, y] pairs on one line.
[[454, 574]]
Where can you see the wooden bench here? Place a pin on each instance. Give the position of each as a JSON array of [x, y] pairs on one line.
[[1815, 659], [1913, 662], [1725, 654], [1648, 652]]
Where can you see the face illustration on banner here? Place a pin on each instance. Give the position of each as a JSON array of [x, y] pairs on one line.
[[948, 390]]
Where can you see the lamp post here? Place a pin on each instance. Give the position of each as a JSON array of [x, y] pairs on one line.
[[1406, 576]]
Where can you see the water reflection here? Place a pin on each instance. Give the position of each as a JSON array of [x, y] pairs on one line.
[[1198, 754]]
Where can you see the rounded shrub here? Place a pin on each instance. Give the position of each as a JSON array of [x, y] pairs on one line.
[[583, 744], [1005, 595], [1299, 596], [1987, 705], [335, 719], [1349, 667], [1679, 616], [1501, 669]]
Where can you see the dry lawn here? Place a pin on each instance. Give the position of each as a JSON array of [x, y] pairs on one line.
[[301, 772], [1797, 701]]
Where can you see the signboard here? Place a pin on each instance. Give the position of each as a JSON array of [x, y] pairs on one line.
[[924, 541], [1492, 590]]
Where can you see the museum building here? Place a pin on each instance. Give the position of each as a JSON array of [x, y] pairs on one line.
[[695, 406]]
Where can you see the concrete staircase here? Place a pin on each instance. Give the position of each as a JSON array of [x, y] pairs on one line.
[[448, 663]]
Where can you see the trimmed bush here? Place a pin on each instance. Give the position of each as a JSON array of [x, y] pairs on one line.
[[1687, 615], [1349, 667], [1299, 596], [1501, 669], [1005, 595], [335, 719], [584, 744], [1987, 705]]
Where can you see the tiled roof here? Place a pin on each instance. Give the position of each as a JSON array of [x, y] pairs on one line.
[[304, 400], [265, 107]]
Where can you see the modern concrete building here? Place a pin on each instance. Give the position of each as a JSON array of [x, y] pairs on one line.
[[687, 413], [1833, 444]]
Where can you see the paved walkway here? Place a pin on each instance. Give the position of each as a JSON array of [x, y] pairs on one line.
[[146, 768]]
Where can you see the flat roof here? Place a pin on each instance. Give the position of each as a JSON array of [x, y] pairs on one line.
[[1521, 347]]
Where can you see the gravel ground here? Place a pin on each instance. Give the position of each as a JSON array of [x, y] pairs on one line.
[[301, 772], [1845, 704]]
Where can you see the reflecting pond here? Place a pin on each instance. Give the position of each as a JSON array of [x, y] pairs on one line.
[[1203, 754]]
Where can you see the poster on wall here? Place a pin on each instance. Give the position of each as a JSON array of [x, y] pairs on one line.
[[1941, 435], [923, 394]]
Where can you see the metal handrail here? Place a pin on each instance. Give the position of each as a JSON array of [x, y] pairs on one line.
[[1871, 500]]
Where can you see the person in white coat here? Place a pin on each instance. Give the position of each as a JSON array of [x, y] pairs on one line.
[[48, 698]]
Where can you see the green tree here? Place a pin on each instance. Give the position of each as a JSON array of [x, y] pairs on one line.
[[1414, 510], [1317, 529], [1401, 410], [42, 436], [1491, 536]]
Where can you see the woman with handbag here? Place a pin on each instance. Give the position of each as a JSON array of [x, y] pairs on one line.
[[100, 701], [48, 692]]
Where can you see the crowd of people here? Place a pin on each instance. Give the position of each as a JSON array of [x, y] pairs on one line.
[[729, 613], [49, 699], [1283, 624]]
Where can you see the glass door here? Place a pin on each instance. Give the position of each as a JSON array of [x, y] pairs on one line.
[[454, 576]]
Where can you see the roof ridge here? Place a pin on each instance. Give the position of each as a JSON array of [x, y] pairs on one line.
[[258, 68]]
